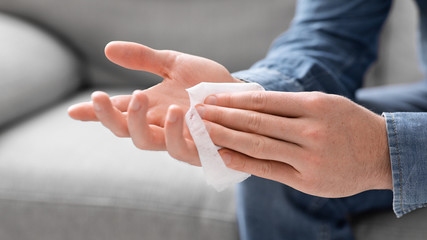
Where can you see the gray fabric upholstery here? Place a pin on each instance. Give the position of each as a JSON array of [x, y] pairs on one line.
[[58, 178], [62, 179], [77, 181], [235, 33], [397, 60], [24, 220], [385, 225], [36, 69], [198, 27]]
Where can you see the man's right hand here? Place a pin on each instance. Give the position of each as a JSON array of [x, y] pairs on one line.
[[153, 118]]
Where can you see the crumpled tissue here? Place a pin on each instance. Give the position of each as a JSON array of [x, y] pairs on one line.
[[216, 173]]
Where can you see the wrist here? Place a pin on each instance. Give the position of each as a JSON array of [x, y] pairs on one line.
[[385, 180]]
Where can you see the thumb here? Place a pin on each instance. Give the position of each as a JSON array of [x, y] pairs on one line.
[[139, 57]]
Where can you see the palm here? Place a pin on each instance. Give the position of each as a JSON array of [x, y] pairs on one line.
[[186, 71], [180, 71]]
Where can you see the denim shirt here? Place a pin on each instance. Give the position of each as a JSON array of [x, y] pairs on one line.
[[328, 48]]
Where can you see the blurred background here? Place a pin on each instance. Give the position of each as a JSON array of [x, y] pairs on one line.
[[62, 179]]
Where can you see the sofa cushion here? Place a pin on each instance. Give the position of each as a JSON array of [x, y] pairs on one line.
[[35, 69], [58, 175], [63, 179], [235, 33], [398, 61], [385, 225]]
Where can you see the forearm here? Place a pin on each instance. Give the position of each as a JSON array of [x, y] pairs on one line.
[[328, 48]]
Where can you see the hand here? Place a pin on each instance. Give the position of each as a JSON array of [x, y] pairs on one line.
[[153, 118], [320, 144]]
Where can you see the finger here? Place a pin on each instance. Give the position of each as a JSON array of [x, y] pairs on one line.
[[108, 115], [283, 128], [177, 145], [255, 145], [82, 111], [277, 103], [277, 171], [144, 136], [139, 57], [121, 102]]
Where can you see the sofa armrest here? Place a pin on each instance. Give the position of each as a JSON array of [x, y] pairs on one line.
[[35, 69]]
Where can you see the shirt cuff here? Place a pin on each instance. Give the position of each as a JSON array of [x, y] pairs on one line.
[[407, 139], [270, 79]]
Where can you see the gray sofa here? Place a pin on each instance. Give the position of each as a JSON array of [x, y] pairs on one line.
[[62, 179]]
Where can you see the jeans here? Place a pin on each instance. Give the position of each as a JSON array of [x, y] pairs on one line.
[[270, 210]]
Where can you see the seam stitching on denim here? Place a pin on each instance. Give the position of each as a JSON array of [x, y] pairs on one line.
[[398, 163]]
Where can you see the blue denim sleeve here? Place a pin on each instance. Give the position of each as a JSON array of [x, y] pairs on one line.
[[328, 48], [407, 138]]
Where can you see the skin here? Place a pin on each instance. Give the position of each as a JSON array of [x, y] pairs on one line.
[[320, 144], [153, 118]]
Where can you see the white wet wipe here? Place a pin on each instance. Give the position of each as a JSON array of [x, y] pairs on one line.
[[216, 173]]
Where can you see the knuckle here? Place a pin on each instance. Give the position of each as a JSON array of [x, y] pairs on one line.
[[254, 122], [184, 156], [176, 155], [140, 144], [257, 146], [264, 169], [170, 60], [121, 133], [240, 164], [258, 100], [340, 102], [218, 116], [226, 100], [315, 100]]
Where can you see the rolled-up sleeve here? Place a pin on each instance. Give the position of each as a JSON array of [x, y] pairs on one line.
[[407, 138], [328, 48]]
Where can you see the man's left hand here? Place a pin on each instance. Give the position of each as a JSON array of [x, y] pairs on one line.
[[320, 144]]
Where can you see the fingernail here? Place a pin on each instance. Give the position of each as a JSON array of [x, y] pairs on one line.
[[226, 157], [71, 108], [201, 110], [135, 105], [96, 106], [211, 100], [136, 91]]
